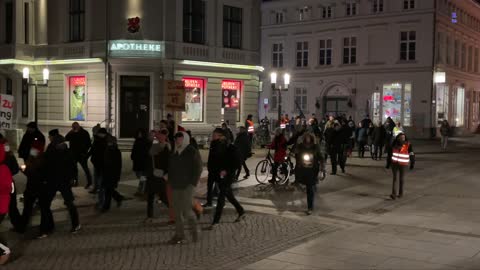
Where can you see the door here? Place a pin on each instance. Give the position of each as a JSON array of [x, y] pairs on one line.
[[335, 106], [134, 105]]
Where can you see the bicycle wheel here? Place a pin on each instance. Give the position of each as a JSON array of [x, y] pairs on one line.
[[262, 172], [283, 173]]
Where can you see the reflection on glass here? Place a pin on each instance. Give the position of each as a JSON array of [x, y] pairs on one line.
[[392, 101], [194, 89]]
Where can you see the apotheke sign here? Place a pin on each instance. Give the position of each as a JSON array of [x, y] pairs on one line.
[[136, 48]]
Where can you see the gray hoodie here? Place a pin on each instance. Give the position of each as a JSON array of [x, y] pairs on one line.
[[185, 165]]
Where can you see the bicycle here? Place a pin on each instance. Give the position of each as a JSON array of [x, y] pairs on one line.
[[264, 169]]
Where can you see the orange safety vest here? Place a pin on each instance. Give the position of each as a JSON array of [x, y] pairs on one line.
[[251, 128], [401, 156]]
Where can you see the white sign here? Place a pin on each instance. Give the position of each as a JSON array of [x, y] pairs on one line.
[[6, 111], [439, 77], [136, 48], [265, 101]]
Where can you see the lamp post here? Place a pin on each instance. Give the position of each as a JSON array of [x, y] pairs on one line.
[[46, 77], [279, 88]]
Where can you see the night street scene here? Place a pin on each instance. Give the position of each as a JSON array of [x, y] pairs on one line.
[[240, 134]]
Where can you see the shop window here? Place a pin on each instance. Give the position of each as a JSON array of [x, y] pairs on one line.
[[232, 27], [300, 99], [460, 107], [325, 52], [77, 20], [8, 22], [194, 21], [77, 92], [231, 95], [442, 102], [397, 102], [350, 50], [302, 54], [408, 4], [407, 101], [377, 6], [194, 95], [376, 107], [327, 12], [351, 9], [407, 45], [277, 55]]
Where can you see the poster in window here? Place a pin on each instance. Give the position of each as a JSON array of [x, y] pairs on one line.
[[392, 101], [194, 91], [231, 93], [77, 90]]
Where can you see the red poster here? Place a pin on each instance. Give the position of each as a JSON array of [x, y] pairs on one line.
[[231, 91]]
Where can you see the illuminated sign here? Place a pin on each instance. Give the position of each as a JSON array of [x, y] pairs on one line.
[[193, 83], [454, 17], [231, 85], [136, 48]]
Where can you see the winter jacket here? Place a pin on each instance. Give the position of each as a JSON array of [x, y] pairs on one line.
[[229, 135], [60, 166], [361, 135], [379, 135], [158, 162], [184, 166], [27, 141], [445, 130], [244, 145], [370, 135], [220, 159], [6, 180], [140, 154], [307, 169], [80, 142], [97, 152], [112, 169], [279, 144], [36, 173], [12, 163]]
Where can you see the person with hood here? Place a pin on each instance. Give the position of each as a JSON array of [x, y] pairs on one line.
[[362, 139], [279, 144], [139, 157], [310, 161], [32, 134], [223, 162], [378, 139], [444, 132], [60, 172], [402, 157], [35, 171], [228, 132], [80, 144], [12, 164], [6, 188], [96, 153], [184, 170], [111, 174], [389, 127], [242, 142]]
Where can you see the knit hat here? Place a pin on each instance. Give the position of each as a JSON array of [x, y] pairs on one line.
[[32, 125]]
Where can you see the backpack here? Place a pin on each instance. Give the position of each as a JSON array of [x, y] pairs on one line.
[[236, 156]]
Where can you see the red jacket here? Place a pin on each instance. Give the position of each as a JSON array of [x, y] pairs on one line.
[[5, 182], [280, 146]]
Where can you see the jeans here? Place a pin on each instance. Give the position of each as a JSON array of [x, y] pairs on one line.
[[337, 157], [444, 142], [311, 189], [84, 164], [109, 194], [361, 149], [396, 168], [212, 187], [47, 224], [377, 152], [182, 205], [225, 186], [245, 168]]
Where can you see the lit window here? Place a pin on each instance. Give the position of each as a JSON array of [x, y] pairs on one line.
[[397, 102], [194, 94], [77, 92]]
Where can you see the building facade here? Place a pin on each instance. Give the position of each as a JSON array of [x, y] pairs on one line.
[[109, 60], [375, 57]]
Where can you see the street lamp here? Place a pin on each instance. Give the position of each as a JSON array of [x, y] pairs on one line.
[[279, 88], [46, 77]]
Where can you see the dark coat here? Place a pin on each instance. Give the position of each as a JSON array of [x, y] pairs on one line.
[[35, 173], [140, 154], [97, 152], [60, 165], [27, 141], [184, 168], [308, 174], [379, 135], [158, 159], [244, 144], [220, 159], [112, 167], [361, 135], [12, 163], [80, 142]]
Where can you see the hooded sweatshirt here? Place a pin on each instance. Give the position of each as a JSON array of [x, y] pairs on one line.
[[185, 165], [5, 182]]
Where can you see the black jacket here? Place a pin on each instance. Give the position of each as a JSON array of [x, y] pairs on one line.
[[35, 173], [379, 135], [59, 165], [26, 144], [97, 152], [244, 145], [80, 142], [140, 154], [184, 168], [112, 169], [307, 172], [220, 159], [12, 163]]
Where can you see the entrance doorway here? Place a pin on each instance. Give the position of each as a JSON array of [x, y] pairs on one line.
[[335, 106], [134, 104]]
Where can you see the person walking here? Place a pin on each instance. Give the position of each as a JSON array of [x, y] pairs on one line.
[[402, 157], [60, 172], [111, 174], [139, 157], [32, 134], [80, 144], [12, 164], [6, 188], [370, 130], [279, 144], [222, 165], [444, 132], [96, 153], [250, 126], [361, 136], [184, 170], [228, 132], [335, 144], [389, 127], [378, 138], [242, 142]]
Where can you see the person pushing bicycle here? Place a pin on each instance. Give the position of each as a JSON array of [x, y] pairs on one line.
[[279, 144]]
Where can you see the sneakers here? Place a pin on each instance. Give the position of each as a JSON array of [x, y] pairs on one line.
[[309, 212], [246, 176], [212, 227], [177, 240], [393, 197], [240, 218], [76, 229]]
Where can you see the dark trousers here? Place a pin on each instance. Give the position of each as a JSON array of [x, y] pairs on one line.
[[400, 170], [84, 164], [245, 168], [225, 186], [212, 186], [110, 193], [361, 149], [337, 157], [29, 199], [13, 213], [311, 196], [47, 223], [388, 149], [378, 151], [274, 170]]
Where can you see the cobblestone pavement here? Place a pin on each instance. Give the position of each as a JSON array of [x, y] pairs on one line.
[[119, 240]]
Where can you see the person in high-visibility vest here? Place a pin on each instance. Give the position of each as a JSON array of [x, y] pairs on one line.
[[402, 156], [249, 125]]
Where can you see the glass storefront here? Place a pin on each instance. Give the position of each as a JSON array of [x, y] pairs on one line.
[[460, 107], [376, 107], [194, 96], [231, 95], [396, 103], [76, 85], [442, 102]]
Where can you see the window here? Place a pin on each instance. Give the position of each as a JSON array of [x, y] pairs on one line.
[[231, 96], [407, 100], [77, 20], [351, 9], [440, 48], [408, 4], [350, 50], [279, 17], [470, 58], [325, 52], [460, 107], [77, 91], [377, 6], [442, 102], [8, 22], [475, 61], [376, 107], [407, 46], [232, 27], [9, 87], [327, 12], [464, 56], [194, 21], [194, 95], [456, 52], [397, 102], [274, 101], [449, 55], [302, 54], [25, 98], [300, 99], [277, 55], [303, 13], [26, 22]]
